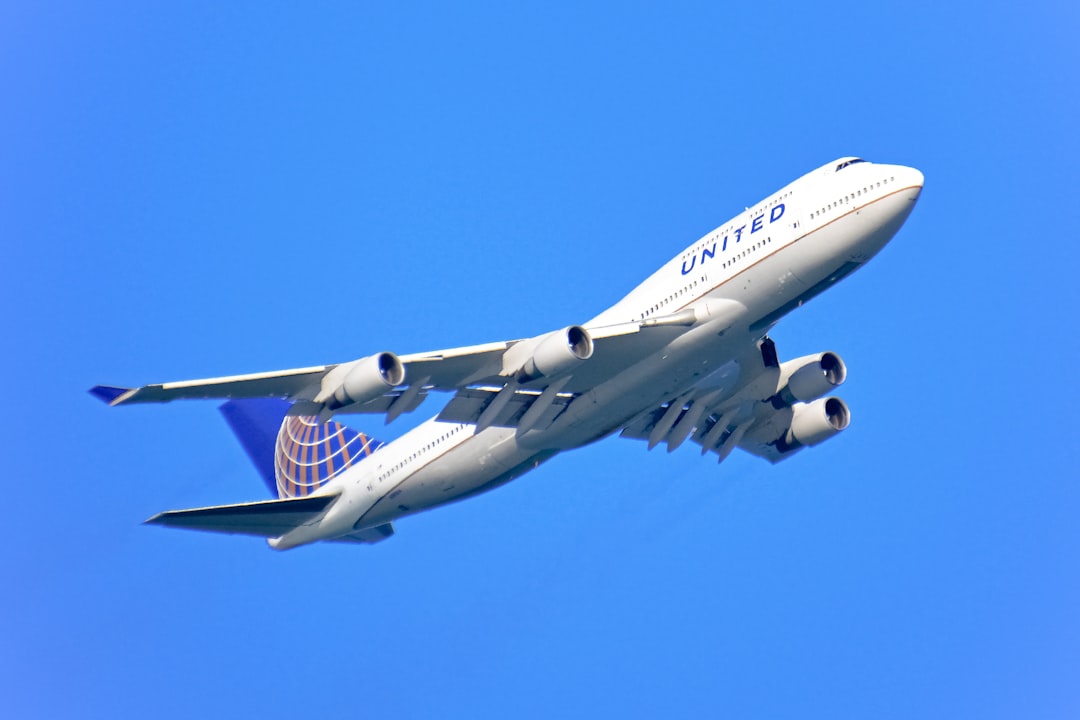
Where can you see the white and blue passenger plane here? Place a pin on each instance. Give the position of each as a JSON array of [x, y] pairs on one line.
[[685, 356]]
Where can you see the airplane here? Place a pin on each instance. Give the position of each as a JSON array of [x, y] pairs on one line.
[[686, 355]]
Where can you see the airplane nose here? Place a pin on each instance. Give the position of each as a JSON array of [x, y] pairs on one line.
[[912, 178]]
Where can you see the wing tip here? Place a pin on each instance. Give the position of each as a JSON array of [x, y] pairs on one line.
[[109, 394]]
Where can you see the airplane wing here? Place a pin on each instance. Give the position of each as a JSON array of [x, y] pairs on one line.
[[283, 383], [574, 358], [268, 518], [614, 347], [403, 387]]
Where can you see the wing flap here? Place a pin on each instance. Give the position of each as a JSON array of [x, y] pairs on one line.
[[640, 427], [268, 518], [468, 404]]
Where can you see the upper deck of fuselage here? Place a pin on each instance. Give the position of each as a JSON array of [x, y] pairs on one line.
[[787, 215]]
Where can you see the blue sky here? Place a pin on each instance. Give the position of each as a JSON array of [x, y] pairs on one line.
[[214, 188]]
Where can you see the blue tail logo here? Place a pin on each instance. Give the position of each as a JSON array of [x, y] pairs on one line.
[[295, 455]]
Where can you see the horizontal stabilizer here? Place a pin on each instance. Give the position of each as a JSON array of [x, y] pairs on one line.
[[269, 518]]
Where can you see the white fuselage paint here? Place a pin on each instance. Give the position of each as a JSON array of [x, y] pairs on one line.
[[778, 253]]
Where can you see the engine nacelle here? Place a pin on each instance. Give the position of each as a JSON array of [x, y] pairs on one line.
[[361, 380], [813, 423], [553, 354], [809, 378]]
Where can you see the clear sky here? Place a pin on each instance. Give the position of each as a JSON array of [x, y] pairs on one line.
[[198, 189]]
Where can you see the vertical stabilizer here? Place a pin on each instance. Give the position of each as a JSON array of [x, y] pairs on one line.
[[256, 422], [295, 455]]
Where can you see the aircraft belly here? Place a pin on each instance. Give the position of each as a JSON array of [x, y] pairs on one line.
[[768, 284]]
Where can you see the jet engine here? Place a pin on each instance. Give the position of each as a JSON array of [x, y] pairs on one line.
[[361, 380], [813, 423], [809, 378], [551, 355]]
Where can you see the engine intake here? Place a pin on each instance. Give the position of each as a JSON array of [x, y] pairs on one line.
[[809, 378], [555, 354], [814, 423], [361, 380]]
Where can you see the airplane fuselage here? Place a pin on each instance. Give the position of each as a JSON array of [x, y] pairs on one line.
[[737, 282]]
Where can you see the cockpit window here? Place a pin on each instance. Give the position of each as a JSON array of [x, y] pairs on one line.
[[844, 164]]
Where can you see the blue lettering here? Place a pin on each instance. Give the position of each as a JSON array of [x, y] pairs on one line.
[[757, 224], [708, 253], [777, 213], [725, 244], [693, 261], [738, 233]]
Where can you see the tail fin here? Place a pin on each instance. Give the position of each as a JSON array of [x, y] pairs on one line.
[[256, 422], [295, 455]]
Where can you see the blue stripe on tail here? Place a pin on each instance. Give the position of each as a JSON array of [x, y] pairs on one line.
[[255, 422]]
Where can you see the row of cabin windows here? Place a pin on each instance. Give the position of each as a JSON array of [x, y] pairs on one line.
[[435, 443], [701, 246], [753, 248], [848, 198], [669, 298], [727, 231]]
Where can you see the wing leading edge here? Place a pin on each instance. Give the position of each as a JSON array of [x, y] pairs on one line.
[[387, 383], [447, 370]]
